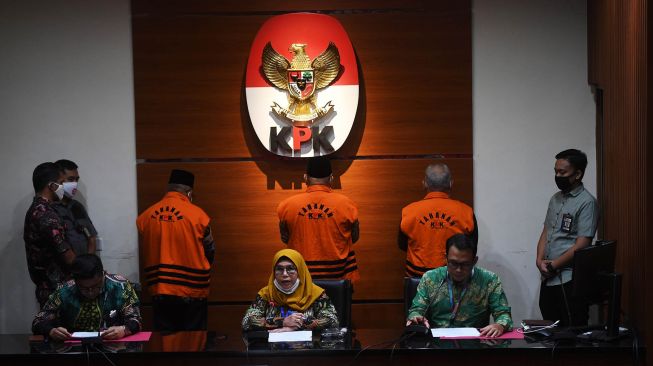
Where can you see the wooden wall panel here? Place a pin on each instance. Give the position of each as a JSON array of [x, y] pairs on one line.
[[236, 196], [225, 318], [188, 80], [384, 315], [648, 174], [418, 88], [618, 41], [237, 7], [415, 108], [415, 71]]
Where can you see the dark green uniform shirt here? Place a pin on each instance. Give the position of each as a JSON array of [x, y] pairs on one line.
[[484, 297]]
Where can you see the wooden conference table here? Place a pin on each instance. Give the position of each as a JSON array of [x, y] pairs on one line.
[[361, 347]]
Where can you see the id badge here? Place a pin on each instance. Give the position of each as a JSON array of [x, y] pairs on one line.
[[567, 221]]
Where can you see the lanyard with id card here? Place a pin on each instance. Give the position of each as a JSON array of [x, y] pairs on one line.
[[567, 222], [455, 305]]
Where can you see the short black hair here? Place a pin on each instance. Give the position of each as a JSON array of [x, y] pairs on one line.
[[462, 242], [66, 164], [86, 266], [576, 158], [43, 174], [319, 167]]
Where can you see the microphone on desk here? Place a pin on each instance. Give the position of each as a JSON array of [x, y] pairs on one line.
[[421, 329]]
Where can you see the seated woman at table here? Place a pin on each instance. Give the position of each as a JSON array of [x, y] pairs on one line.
[[290, 301], [93, 301]]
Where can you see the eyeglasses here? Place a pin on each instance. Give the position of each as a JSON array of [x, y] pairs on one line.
[[291, 270], [89, 289], [462, 265], [93, 289]]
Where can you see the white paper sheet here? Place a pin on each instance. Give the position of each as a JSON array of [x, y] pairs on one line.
[[85, 334], [297, 336], [455, 332]]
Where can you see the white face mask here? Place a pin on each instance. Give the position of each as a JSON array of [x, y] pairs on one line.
[[288, 291], [59, 191], [70, 188]]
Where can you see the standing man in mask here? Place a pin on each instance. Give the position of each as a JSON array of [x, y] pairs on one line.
[[48, 252], [80, 231], [177, 250], [570, 224]]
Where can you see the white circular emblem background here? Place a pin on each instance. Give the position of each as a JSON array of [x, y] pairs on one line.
[[316, 31]]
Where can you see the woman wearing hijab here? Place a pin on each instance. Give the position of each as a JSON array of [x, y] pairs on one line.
[[290, 301]]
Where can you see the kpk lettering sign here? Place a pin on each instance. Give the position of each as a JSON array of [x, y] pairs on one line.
[[302, 85]]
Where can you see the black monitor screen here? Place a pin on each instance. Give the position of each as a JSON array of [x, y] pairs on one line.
[[589, 262]]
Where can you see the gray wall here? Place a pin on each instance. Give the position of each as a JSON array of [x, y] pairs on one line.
[[531, 101], [66, 91]]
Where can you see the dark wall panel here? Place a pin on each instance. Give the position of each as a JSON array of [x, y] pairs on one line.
[[226, 319], [245, 224], [415, 83], [618, 39], [151, 8], [415, 108]]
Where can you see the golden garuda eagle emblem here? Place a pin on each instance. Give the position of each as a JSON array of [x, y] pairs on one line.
[[301, 78]]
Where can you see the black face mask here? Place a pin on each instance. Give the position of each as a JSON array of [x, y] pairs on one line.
[[563, 183]]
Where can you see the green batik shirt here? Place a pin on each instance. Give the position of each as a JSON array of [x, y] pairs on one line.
[[484, 297], [263, 314], [116, 305]]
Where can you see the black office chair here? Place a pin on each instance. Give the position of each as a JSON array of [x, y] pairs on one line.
[[339, 291], [137, 289], [410, 290]]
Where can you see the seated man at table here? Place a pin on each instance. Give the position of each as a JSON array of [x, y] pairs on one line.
[[460, 294], [93, 301]]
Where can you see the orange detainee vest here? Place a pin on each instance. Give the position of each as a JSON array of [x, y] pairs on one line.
[[188, 341], [428, 224], [171, 233], [320, 223]]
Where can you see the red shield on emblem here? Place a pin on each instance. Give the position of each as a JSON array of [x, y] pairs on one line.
[[300, 83]]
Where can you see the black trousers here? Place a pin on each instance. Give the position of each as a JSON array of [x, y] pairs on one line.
[[552, 305], [174, 313]]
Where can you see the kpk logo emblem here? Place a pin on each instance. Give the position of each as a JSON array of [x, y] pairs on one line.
[[303, 104], [301, 77]]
